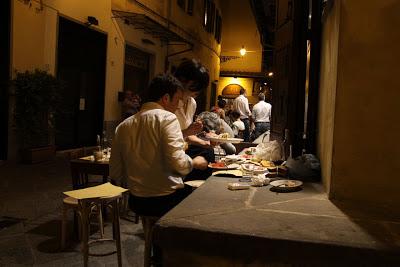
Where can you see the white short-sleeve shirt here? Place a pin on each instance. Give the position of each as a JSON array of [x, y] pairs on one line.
[[185, 112]]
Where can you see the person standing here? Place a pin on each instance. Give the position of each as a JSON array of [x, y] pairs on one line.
[[147, 152], [241, 105], [261, 116], [195, 79], [130, 105]]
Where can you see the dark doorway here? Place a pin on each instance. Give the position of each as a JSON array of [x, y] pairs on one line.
[[5, 23], [290, 58], [136, 70], [81, 66]]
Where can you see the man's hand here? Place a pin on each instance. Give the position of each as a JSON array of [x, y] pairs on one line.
[[193, 129], [199, 163]]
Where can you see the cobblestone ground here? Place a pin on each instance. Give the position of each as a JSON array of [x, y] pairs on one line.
[[30, 220]]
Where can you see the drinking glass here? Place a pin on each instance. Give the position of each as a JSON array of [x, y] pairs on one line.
[[248, 173]]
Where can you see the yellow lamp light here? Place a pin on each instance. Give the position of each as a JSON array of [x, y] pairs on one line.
[[270, 74], [243, 51]]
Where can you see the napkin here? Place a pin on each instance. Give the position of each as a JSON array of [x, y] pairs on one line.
[[103, 190]]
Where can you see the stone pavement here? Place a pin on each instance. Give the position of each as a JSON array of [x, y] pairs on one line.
[[30, 220]]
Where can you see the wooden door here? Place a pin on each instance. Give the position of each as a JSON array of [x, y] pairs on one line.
[[81, 65], [290, 54]]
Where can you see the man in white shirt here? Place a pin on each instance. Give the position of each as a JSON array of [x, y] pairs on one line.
[[261, 116], [241, 105], [147, 151]]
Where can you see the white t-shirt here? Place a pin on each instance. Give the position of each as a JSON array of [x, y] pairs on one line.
[[237, 126], [147, 152], [261, 112], [241, 105], [185, 113]]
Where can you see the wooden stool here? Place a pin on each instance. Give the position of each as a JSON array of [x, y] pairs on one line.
[[148, 223], [85, 207], [72, 203]]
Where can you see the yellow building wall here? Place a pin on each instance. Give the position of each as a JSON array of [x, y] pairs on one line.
[[34, 40], [239, 29], [327, 92], [205, 48], [246, 83], [365, 162]]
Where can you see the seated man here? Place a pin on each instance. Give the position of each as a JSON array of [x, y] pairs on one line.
[[147, 151]]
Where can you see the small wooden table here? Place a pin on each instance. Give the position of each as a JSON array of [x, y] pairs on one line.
[[82, 167]]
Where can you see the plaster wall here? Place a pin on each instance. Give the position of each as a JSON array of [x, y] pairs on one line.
[[327, 93], [246, 83], [205, 48], [366, 129], [239, 29]]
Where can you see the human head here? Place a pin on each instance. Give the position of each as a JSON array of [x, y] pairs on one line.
[[242, 91], [261, 97], [234, 114], [211, 121], [193, 76], [128, 94], [221, 103], [166, 90]]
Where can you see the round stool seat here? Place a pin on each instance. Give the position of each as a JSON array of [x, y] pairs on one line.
[[70, 201]]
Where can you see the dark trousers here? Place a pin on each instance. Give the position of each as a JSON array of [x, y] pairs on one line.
[[157, 206], [246, 132], [261, 127]]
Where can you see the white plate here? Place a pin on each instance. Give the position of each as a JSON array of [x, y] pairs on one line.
[[226, 140], [227, 167], [195, 183], [286, 184]]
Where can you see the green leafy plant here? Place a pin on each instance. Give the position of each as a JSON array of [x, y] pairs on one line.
[[36, 102]]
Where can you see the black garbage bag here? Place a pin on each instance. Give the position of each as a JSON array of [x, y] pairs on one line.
[[305, 168]]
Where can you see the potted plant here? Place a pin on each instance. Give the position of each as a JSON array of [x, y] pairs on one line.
[[36, 102]]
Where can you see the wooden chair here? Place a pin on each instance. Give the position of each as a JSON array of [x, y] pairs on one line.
[[70, 203], [148, 223], [85, 207]]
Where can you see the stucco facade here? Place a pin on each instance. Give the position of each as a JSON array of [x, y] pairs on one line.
[[359, 107], [35, 31]]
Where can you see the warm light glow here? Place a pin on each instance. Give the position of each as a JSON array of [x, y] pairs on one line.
[[243, 51], [270, 74]]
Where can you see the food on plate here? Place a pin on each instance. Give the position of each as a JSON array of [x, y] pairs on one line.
[[255, 160], [223, 136], [233, 166], [217, 165], [267, 163]]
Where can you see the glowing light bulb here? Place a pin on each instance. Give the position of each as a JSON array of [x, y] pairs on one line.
[[270, 74], [243, 51]]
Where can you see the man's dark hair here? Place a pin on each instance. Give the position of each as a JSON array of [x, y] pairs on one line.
[[221, 103], [161, 85], [234, 114], [242, 91], [261, 96], [191, 70]]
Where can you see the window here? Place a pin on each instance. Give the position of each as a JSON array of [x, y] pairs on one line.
[[218, 25], [211, 25], [182, 4], [205, 13], [190, 5]]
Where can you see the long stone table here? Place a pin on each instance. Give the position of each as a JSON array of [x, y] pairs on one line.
[[257, 227]]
